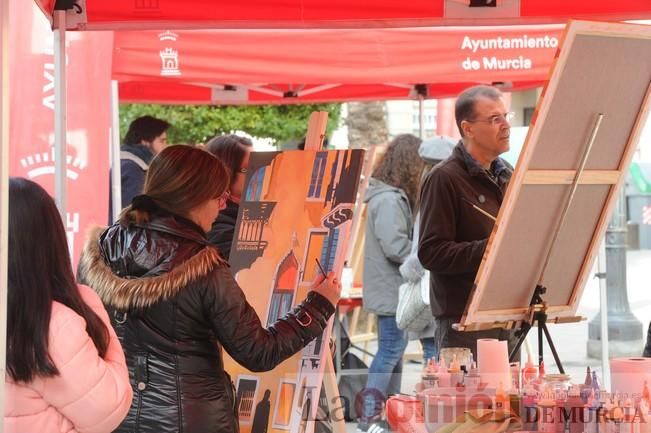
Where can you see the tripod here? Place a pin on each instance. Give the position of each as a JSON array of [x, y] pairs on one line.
[[537, 315]]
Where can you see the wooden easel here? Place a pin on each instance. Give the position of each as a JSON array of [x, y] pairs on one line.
[[314, 141], [355, 255]]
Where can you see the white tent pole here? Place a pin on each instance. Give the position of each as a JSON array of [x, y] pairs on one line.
[[603, 301], [116, 182], [421, 116], [4, 190], [60, 113]]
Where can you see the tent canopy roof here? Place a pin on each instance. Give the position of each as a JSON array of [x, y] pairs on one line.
[[178, 14], [293, 66]]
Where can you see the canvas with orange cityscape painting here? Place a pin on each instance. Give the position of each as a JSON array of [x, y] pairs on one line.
[[295, 217]]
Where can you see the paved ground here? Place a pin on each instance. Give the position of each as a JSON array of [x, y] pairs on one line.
[[571, 339]]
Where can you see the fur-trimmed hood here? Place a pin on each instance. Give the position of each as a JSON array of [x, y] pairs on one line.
[[124, 293]]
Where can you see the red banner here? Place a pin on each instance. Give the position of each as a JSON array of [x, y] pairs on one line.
[[31, 131], [220, 66], [317, 57]]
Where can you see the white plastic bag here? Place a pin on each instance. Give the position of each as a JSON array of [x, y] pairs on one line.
[[413, 312]]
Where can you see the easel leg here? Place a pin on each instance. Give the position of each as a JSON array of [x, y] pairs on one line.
[[553, 348], [523, 335], [540, 343], [335, 403]]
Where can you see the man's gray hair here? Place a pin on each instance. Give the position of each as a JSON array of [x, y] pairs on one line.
[[464, 108]]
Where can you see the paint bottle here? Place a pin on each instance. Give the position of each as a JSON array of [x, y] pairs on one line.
[[605, 406], [643, 412], [429, 380], [529, 412], [604, 418], [515, 377], [574, 410], [645, 409], [559, 408], [456, 376], [629, 415], [471, 362], [529, 372], [429, 377], [538, 381], [616, 418], [595, 384], [472, 379], [587, 385], [431, 367], [515, 403], [546, 414], [636, 423], [443, 375], [591, 421], [541, 370], [501, 400]]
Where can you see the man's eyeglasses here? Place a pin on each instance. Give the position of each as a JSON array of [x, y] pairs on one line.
[[497, 119]]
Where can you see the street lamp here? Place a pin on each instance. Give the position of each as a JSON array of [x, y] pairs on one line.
[[625, 333]]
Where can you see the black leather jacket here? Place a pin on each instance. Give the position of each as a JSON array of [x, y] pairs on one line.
[[223, 228], [174, 305]]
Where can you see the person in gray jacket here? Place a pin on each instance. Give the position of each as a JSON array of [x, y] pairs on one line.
[[432, 151], [391, 195]]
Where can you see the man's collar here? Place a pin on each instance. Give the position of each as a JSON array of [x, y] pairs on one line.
[[474, 168], [497, 167]]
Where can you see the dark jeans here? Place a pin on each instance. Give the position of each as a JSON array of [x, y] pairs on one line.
[[430, 349], [385, 372], [448, 337]]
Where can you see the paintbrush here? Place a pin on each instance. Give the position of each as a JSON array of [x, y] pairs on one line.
[[478, 209], [325, 275]]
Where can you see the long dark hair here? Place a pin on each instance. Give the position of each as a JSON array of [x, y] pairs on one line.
[[401, 166], [231, 149], [179, 179], [40, 272]]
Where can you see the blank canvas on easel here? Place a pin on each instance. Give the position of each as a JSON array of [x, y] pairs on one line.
[[601, 69]]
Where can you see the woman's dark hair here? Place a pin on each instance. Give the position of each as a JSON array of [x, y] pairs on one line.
[[230, 149], [145, 128], [40, 272], [401, 166], [179, 179]]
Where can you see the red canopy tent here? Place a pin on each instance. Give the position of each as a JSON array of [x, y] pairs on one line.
[[302, 14], [297, 66], [157, 14]]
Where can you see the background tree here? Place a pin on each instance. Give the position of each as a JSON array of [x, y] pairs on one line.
[[367, 124], [193, 124]]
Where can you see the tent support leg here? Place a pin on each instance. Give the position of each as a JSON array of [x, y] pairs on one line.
[[4, 187], [60, 113], [421, 117], [116, 182]]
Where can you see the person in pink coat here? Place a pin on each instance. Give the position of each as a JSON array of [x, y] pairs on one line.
[[66, 371]]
